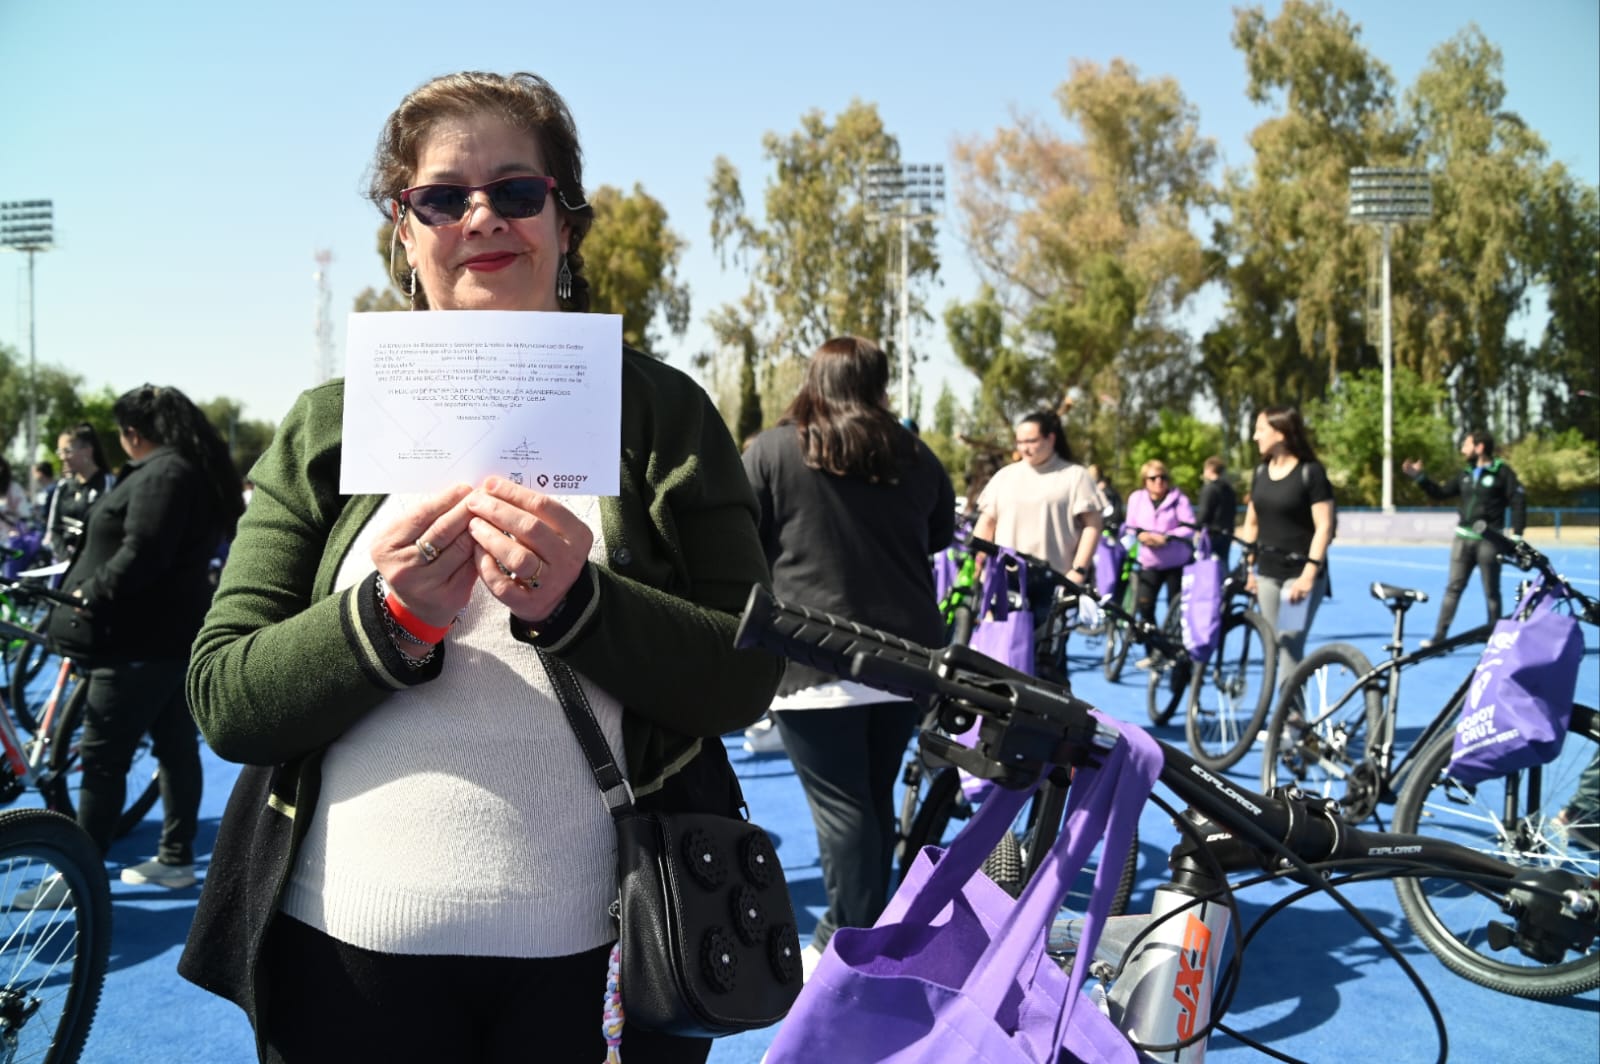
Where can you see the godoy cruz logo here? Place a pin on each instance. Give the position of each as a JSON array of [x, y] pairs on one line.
[[561, 481]]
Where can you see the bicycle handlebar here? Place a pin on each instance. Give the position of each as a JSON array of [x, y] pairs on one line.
[[48, 594], [1526, 556], [1027, 725]]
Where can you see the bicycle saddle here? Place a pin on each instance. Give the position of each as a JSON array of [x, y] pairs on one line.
[[1393, 596]]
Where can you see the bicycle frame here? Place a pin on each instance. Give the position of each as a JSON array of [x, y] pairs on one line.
[[1167, 985]]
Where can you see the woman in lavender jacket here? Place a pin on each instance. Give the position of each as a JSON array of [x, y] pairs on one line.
[[1160, 515]]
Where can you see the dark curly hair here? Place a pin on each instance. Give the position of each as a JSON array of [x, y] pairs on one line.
[[527, 102]]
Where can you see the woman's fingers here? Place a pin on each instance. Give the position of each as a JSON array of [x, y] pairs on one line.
[[530, 547], [426, 556]]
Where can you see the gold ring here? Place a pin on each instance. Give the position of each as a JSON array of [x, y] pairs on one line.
[[539, 571], [429, 552]]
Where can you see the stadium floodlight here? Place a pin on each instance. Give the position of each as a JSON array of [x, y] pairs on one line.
[[1387, 196], [904, 193], [28, 225]]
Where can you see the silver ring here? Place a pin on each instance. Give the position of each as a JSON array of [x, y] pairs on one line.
[[429, 552]]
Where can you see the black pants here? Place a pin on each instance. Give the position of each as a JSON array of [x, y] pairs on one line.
[[847, 760], [331, 1003], [1151, 581], [1465, 556], [127, 699]]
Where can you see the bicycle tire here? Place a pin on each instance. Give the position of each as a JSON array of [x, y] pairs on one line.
[[1451, 919], [143, 780], [1231, 693], [1169, 677], [946, 804], [943, 803], [1118, 639], [1317, 748], [30, 658], [53, 1014]]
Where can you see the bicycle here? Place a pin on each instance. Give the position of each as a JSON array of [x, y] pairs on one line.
[[53, 956], [1516, 817], [1333, 730], [1162, 966], [47, 761], [926, 818], [1233, 689]]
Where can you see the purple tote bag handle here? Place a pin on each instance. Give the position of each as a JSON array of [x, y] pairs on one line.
[[1105, 805]]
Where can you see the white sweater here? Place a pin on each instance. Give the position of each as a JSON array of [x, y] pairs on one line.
[[460, 817]]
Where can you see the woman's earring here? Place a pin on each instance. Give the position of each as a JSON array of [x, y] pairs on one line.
[[411, 290], [564, 280]]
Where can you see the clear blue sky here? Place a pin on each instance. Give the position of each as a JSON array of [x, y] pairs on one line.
[[200, 153]]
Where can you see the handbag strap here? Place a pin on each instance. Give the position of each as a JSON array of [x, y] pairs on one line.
[[575, 704]]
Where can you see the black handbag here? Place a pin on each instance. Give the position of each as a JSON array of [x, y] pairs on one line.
[[706, 934]]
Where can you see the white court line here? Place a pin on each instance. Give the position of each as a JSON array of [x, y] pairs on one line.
[[1386, 563]]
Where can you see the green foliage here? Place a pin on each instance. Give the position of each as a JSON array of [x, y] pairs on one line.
[[630, 258], [819, 264], [1555, 467], [391, 296], [1348, 434], [1087, 256], [1182, 441], [246, 440]]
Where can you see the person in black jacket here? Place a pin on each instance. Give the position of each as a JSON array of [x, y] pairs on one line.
[[141, 576], [84, 481], [1487, 488], [1218, 505], [851, 507]]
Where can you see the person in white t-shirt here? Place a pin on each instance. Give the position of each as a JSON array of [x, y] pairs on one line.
[[1045, 504]]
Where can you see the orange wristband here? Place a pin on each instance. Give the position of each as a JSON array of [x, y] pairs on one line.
[[428, 633]]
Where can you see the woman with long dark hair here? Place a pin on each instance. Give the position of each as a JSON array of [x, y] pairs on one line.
[[141, 576], [1291, 509], [852, 505]]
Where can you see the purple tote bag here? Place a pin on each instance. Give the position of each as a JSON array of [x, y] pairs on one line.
[[1519, 703], [1202, 601], [1108, 556], [1003, 633], [956, 969]]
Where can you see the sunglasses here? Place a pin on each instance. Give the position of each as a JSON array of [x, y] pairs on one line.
[[1157, 476], [509, 197]]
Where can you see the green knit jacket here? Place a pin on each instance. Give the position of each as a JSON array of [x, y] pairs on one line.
[[283, 665]]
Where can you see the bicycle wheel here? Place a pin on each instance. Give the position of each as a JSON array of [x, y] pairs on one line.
[[53, 954], [1231, 693], [946, 808], [1118, 639], [143, 781], [25, 666], [1513, 819], [1169, 673], [1319, 745], [928, 822]]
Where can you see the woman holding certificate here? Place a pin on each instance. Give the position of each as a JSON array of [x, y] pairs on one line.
[[416, 864]]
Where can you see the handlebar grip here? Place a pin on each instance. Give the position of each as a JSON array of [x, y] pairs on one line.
[[827, 643], [60, 598]]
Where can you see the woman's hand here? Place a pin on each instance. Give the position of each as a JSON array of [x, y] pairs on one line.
[[529, 549], [1250, 582], [1152, 539], [1301, 587], [426, 557]]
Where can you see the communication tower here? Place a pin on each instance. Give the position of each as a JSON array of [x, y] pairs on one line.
[[324, 327]]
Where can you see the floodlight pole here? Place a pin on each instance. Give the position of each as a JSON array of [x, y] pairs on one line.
[[905, 193], [26, 225], [1386, 197]]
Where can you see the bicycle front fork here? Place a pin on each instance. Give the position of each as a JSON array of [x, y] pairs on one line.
[[1163, 995]]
